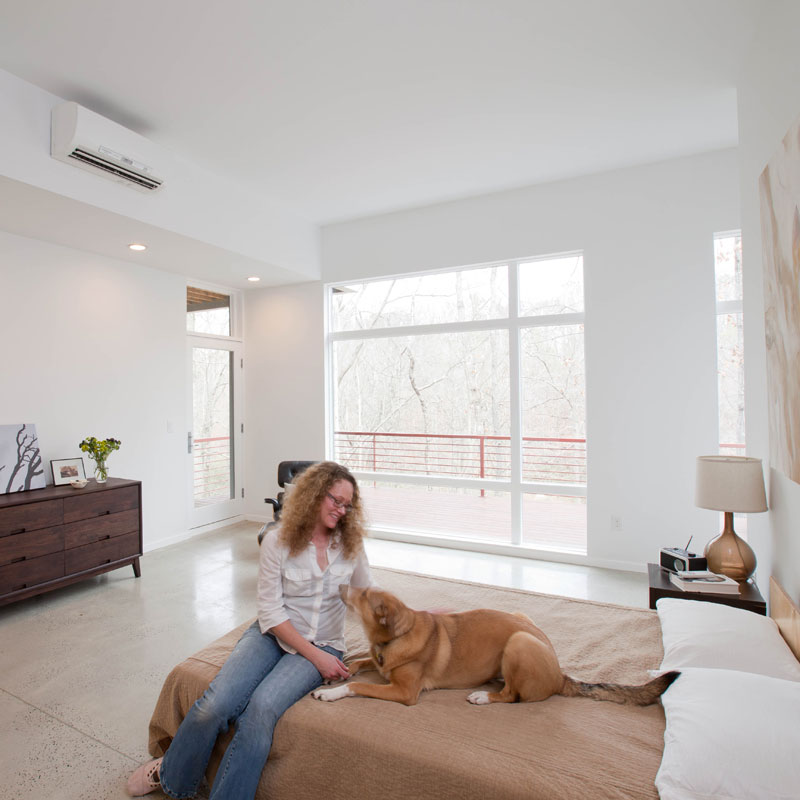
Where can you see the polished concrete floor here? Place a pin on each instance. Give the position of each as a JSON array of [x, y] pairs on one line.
[[81, 667]]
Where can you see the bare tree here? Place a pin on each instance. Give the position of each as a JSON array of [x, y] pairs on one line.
[[449, 384], [29, 461]]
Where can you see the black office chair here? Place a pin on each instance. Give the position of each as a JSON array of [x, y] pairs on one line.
[[287, 472]]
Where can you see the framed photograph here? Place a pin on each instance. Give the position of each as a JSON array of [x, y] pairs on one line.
[[66, 470], [21, 465]]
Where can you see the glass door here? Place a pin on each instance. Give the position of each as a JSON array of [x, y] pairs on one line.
[[214, 442]]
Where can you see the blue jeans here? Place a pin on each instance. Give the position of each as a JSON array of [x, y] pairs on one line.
[[257, 683]]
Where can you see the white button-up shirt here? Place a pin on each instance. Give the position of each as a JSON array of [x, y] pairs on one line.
[[294, 588]]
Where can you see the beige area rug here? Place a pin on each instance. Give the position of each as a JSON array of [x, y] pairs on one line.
[[594, 641]]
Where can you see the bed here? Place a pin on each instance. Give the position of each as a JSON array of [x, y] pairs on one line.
[[444, 747]]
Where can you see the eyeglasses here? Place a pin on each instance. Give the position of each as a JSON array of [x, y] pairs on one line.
[[346, 507]]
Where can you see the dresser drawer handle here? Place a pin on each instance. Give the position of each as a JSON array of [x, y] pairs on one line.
[[17, 588], [107, 536], [19, 530], [17, 560]]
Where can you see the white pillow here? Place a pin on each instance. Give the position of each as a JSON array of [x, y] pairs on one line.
[[699, 634], [731, 736]]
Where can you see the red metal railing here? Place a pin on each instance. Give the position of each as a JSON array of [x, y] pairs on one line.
[[547, 459], [212, 468], [555, 460]]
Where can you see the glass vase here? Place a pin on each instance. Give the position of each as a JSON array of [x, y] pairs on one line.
[[100, 472]]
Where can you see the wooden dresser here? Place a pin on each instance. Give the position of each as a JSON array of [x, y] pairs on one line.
[[55, 536]]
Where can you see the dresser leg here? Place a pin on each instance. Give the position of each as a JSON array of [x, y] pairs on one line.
[[137, 570]]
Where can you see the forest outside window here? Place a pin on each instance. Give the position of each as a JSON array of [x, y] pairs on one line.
[[730, 342], [458, 399]]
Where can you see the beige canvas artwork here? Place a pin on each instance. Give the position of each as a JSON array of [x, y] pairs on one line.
[[779, 189]]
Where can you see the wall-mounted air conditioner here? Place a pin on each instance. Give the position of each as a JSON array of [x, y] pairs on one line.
[[86, 140]]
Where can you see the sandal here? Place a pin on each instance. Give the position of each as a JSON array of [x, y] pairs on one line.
[[145, 779]]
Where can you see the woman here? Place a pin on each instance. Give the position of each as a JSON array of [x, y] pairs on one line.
[[296, 642]]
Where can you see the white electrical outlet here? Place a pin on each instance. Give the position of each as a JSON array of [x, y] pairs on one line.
[[616, 522]]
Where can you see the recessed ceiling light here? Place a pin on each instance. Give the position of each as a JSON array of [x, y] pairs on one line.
[[137, 247], [254, 278]]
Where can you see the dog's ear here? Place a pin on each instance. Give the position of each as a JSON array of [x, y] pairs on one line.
[[402, 621], [392, 615], [400, 618], [381, 614]]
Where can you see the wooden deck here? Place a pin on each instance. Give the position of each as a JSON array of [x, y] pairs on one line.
[[548, 523]]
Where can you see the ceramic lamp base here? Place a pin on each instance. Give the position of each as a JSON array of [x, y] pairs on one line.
[[730, 555]]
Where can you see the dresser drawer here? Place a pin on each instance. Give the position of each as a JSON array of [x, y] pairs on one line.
[[31, 572], [25, 546], [99, 553], [31, 516], [97, 504], [41, 550], [95, 530]]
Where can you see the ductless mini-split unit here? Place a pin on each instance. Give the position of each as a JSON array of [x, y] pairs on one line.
[[86, 140]]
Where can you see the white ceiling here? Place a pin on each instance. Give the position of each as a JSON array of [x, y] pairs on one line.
[[347, 108]]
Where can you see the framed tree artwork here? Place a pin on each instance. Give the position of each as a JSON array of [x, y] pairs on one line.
[[20, 459]]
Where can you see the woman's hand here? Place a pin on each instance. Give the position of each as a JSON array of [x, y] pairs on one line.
[[330, 667]]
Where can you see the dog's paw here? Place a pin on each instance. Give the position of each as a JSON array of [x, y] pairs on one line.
[[336, 693], [478, 698]]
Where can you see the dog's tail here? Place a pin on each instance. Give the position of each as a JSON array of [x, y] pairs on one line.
[[642, 695]]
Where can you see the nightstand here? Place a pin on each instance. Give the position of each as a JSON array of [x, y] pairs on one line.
[[661, 586]]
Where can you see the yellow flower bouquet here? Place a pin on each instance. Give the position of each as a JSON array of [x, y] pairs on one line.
[[99, 450]]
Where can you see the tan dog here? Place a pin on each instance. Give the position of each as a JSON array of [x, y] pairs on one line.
[[418, 650]]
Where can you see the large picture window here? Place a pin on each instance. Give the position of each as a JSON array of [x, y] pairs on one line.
[[458, 399]]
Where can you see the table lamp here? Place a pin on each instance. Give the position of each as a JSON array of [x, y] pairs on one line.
[[730, 484]]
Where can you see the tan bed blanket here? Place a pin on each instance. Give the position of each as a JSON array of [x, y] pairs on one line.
[[444, 747]]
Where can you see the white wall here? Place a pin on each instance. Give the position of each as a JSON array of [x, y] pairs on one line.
[[96, 347], [769, 102], [285, 387], [646, 234], [650, 320]]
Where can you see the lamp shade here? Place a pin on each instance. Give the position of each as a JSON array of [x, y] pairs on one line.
[[730, 483]]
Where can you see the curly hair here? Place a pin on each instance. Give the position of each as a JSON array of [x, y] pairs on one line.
[[301, 509]]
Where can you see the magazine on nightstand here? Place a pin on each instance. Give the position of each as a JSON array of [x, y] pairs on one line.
[[704, 581]]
